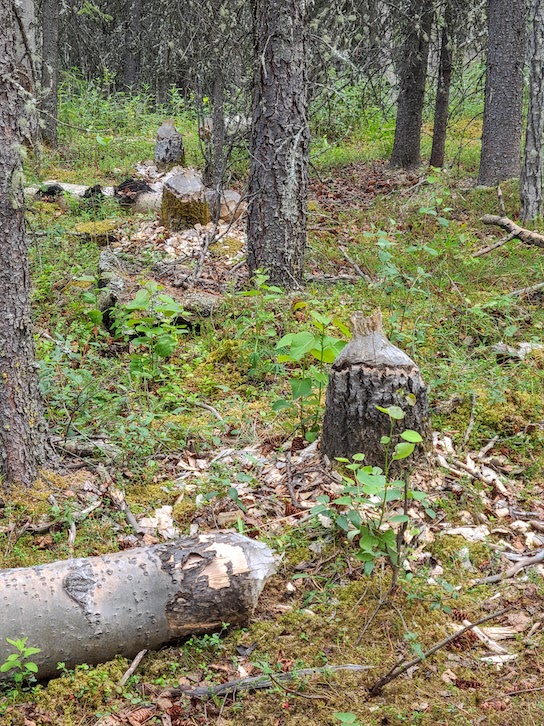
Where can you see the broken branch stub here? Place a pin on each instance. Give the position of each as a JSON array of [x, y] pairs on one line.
[[90, 610], [372, 372]]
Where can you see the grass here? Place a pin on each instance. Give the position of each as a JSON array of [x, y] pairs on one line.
[[442, 306]]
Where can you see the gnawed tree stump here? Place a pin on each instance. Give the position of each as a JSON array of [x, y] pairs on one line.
[[90, 610], [169, 149], [372, 372], [184, 202]]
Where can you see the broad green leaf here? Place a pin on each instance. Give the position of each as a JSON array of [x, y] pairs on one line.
[[302, 343], [165, 346], [400, 518], [31, 651], [403, 451], [411, 436], [301, 387], [281, 404], [32, 667], [394, 412], [285, 341]]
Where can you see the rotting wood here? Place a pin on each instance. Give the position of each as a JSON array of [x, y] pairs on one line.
[[90, 610], [368, 373]]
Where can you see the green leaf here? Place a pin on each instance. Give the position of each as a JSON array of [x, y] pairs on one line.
[[403, 451], [411, 436], [348, 718], [400, 518], [394, 412], [342, 522], [344, 501], [281, 404], [32, 667], [301, 387], [302, 343], [95, 316], [140, 302], [418, 496], [286, 341], [7, 666], [358, 457], [386, 440], [31, 651], [165, 346]]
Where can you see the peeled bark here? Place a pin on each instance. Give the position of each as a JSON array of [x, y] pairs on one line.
[[501, 135], [441, 107], [532, 172], [406, 152], [371, 372], [90, 610], [278, 176], [23, 441]]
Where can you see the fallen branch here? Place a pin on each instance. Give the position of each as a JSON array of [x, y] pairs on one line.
[[525, 235], [130, 670], [255, 683], [512, 571], [523, 291], [494, 246], [398, 670]]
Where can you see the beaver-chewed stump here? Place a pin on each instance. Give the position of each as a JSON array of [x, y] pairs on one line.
[[372, 372], [184, 202]]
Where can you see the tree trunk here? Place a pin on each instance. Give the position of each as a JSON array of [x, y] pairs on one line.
[[215, 145], [133, 39], [532, 173], [50, 70], [406, 152], [368, 373], [278, 178], [90, 610], [441, 107], [500, 158], [23, 440]]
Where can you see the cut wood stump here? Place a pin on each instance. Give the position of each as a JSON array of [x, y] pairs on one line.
[[90, 610], [169, 149], [368, 373], [184, 202]]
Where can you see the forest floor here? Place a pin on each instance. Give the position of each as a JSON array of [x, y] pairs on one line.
[[200, 433]]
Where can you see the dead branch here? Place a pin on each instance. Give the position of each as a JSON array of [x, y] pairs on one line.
[[494, 246], [255, 683], [130, 670], [511, 571], [525, 235], [398, 670], [523, 291]]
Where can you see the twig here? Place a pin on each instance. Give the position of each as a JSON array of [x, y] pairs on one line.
[[527, 290], [490, 444], [209, 408], [72, 536], [494, 246], [254, 683], [525, 235], [471, 421], [511, 571], [289, 476], [296, 693], [500, 199], [355, 266], [397, 670], [130, 670], [118, 499], [383, 601]]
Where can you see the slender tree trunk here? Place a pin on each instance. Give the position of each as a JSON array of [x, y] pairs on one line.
[[441, 107], [501, 134], [215, 151], [278, 177], [406, 152], [50, 70], [133, 39], [532, 173], [23, 441]]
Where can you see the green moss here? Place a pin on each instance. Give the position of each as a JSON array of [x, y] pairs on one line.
[[177, 214], [101, 232]]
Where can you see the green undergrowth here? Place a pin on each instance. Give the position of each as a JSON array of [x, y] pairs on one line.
[[441, 305]]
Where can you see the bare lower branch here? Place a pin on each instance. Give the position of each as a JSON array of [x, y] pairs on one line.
[[525, 235]]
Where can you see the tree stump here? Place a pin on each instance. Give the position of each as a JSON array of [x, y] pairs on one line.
[[372, 372], [90, 610], [169, 149], [184, 202]]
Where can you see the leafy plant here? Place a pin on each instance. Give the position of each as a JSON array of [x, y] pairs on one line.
[[347, 718], [308, 382], [367, 510], [18, 662]]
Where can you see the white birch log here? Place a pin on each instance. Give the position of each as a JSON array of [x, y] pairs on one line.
[[90, 610]]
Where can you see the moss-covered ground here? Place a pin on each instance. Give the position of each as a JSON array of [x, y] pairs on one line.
[[444, 307]]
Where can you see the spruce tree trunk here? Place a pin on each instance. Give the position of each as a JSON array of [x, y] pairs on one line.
[[50, 70], [532, 172], [215, 151], [501, 135], [441, 107], [278, 181], [23, 442], [90, 610], [406, 152], [368, 373], [133, 39]]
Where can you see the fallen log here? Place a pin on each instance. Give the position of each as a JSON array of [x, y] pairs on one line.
[[90, 610]]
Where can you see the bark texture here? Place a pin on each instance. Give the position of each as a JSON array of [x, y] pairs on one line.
[[406, 152], [23, 441], [132, 42], [531, 173], [501, 135], [50, 70], [278, 181], [441, 107], [371, 372], [90, 610]]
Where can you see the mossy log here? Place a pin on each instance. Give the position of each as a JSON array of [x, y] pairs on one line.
[[90, 610], [184, 202], [372, 372]]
